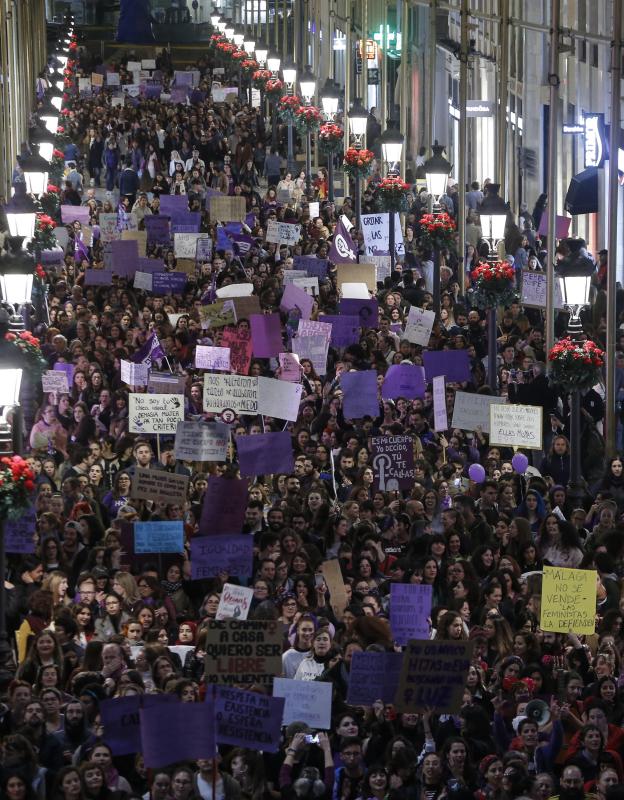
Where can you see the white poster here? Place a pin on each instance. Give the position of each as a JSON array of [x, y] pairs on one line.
[[143, 280], [212, 357], [472, 411], [53, 380], [376, 232], [440, 418], [242, 394], [282, 232], [155, 413], [418, 326], [134, 374], [306, 701], [534, 290], [514, 425], [314, 348], [309, 285], [279, 399], [185, 245], [201, 441], [235, 602]]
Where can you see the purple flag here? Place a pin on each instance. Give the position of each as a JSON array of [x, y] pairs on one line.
[[294, 297], [372, 677], [151, 350], [453, 364], [403, 380], [345, 329], [19, 534], [410, 608], [242, 242], [169, 282], [211, 555], [179, 732], [248, 719], [366, 310], [265, 453], [223, 509], [343, 249], [360, 394], [157, 227], [266, 335], [125, 254], [120, 718]]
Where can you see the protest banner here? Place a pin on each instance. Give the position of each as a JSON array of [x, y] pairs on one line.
[[245, 306], [248, 719], [418, 326], [335, 583], [134, 374], [143, 281], [305, 701], [393, 462], [148, 484], [211, 555], [265, 454], [440, 417], [223, 509], [217, 315], [282, 232], [472, 411], [121, 721], [168, 282], [433, 676], [314, 347], [226, 209], [403, 380], [68, 369], [243, 651], [410, 608], [376, 232], [203, 250], [179, 732], [54, 381], [310, 285], [159, 537], [151, 265], [235, 602], [534, 285], [266, 335], [366, 310], [201, 441], [19, 532], [241, 349], [185, 245], [124, 257], [373, 677], [155, 413], [356, 273], [234, 393], [312, 265], [359, 394], [453, 364], [109, 227], [71, 214], [514, 425], [232, 290], [355, 291], [568, 600], [212, 357]]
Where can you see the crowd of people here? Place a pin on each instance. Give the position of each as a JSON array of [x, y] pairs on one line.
[[87, 629]]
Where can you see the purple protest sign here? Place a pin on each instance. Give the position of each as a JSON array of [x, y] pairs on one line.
[[174, 205], [120, 718], [68, 369], [71, 214], [19, 533], [403, 380], [248, 719], [366, 310], [453, 364], [562, 226], [360, 394], [125, 257], [179, 732], [345, 329], [265, 453], [372, 677], [410, 608], [169, 282], [157, 227], [211, 555], [223, 509], [151, 265], [266, 335], [98, 277], [294, 297], [197, 96], [152, 91], [178, 94], [393, 462], [315, 267], [190, 222]]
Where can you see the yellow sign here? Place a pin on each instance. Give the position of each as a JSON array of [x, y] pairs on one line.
[[568, 600]]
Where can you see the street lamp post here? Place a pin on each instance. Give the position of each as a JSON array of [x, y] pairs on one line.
[[391, 149], [307, 82], [358, 117], [574, 273], [330, 97], [273, 65], [493, 213], [289, 71], [437, 171]]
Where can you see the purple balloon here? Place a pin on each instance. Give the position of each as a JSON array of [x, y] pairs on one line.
[[476, 473], [520, 463]]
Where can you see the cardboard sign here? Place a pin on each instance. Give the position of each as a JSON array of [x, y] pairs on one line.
[[109, 227], [140, 237], [159, 537], [54, 381], [410, 608], [248, 719], [168, 282], [71, 214], [403, 380], [314, 348], [336, 585], [265, 453], [223, 509], [217, 315], [96, 79], [212, 357], [244, 307], [373, 677], [143, 281], [166, 383], [155, 413], [227, 209], [568, 600], [392, 462], [514, 425], [98, 277], [152, 484], [211, 555], [453, 364], [418, 326], [235, 602], [356, 273], [305, 701], [201, 441], [158, 230], [472, 410], [433, 676], [243, 651], [290, 368]]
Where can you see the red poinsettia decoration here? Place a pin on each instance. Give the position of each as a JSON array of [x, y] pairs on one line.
[[45, 222], [358, 163], [29, 346], [488, 273], [40, 272], [239, 55], [274, 86], [17, 482], [52, 189], [260, 78], [291, 101], [60, 129], [308, 118], [249, 65], [576, 365], [56, 153]]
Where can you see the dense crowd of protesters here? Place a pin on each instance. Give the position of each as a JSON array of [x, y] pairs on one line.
[[86, 630]]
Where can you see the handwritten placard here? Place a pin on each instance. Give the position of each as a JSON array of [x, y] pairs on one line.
[[472, 410], [262, 643], [148, 484], [514, 425], [433, 676], [201, 441], [159, 537], [212, 357], [410, 608], [155, 413], [568, 600], [235, 602]]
